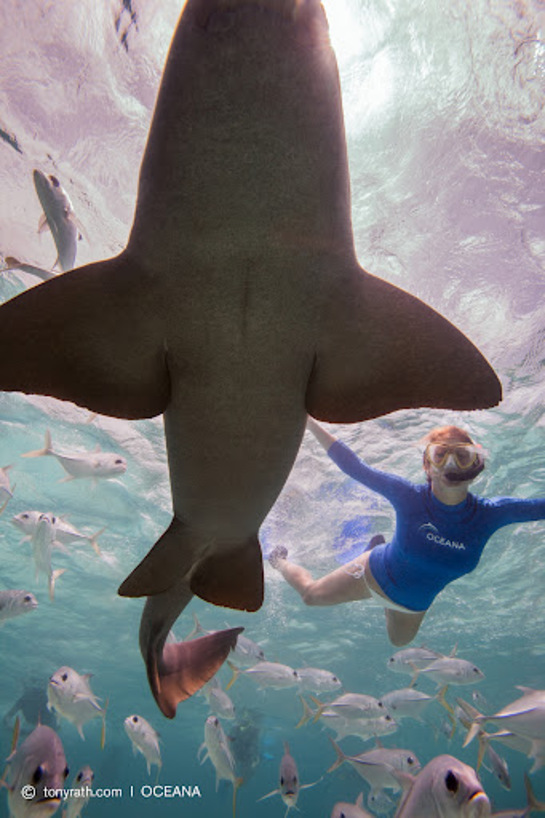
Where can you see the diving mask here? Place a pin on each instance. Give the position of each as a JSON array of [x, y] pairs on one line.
[[468, 460]]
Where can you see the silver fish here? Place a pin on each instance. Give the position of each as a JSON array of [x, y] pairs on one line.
[[497, 765], [218, 751], [289, 783], [342, 809], [272, 319], [525, 716], [406, 703], [88, 464], [59, 217], [6, 491], [42, 548], [444, 788], [451, 670], [317, 680], [69, 694], [267, 674], [64, 532], [80, 793], [14, 603], [144, 739], [375, 766], [218, 700], [409, 659], [38, 765]]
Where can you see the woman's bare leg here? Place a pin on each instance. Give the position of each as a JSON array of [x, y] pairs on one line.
[[402, 627], [345, 584]]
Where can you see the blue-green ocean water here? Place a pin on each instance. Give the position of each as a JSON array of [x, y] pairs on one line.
[[445, 123]]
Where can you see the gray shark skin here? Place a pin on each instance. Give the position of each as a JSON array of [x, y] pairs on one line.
[[238, 305]]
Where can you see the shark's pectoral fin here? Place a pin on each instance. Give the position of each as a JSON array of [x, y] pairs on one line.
[[89, 336], [382, 349], [185, 667], [222, 572]]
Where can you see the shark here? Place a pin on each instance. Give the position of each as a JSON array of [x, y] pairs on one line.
[[237, 308]]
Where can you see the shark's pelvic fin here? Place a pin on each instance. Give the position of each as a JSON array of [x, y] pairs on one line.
[[381, 349], [91, 337], [224, 573]]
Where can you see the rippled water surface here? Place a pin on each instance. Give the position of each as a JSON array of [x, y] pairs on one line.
[[444, 117]]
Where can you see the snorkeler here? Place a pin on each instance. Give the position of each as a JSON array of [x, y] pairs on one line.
[[441, 531]]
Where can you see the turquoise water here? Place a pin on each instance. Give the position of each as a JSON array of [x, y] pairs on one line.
[[444, 117]]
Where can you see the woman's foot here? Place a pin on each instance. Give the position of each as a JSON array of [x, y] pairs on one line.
[[279, 552]]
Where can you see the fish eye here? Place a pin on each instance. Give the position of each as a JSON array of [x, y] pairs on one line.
[[25, 516], [64, 677], [66, 772], [281, 780], [380, 704], [118, 462], [28, 598], [475, 670], [38, 774], [79, 776], [410, 760], [451, 782], [54, 181], [135, 719], [387, 717], [335, 679], [53, 520]]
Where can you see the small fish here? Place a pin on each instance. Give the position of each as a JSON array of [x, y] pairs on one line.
[[451, 670], [218, 751], [59, 217], [6, 491], [144, 740], [267, 674], [444, 788], [14, 603], [80, 793], [343, 809], [406, 660], [39, 763], [380, 802], [375, 766], [362, 728], [406, 703], [218, 700], [95, 464], [352, 706], [525, 716], [533, 805], [497, 765], [12, 263], [316, 680], [69, 694], [42, 542], [289, 783], [65, 533]]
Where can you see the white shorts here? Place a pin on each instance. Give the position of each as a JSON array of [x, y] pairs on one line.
[[357, 570]]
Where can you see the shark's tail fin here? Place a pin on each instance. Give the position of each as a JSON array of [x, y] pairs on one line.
[[185, 667], [228, 573]]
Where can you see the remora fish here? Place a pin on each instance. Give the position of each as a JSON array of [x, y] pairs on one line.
[[87, 464], [444, 788], [80, 793], [289, 783], [14, 603], [237, 307], [144, 739], [59, 217], [39, 763], [69, 694]]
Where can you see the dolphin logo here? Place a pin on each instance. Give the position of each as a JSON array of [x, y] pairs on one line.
[[237, 307]]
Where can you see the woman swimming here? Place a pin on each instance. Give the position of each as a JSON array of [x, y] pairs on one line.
[[441, 531]]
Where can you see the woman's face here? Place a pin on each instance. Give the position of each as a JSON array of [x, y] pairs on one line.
[[453, 462]]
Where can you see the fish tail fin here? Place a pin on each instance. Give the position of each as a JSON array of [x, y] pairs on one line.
[[236, 784], [234, 677], [93, 541], [441, 698], [533, 803], [58, 572], [308, 714], [103, 730], [475, 717], [320, 705], [341, 757], [226, 573], [184, 667], [47, 449], [4, 504]]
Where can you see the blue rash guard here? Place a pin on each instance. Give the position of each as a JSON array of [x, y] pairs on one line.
[[433, 543]]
